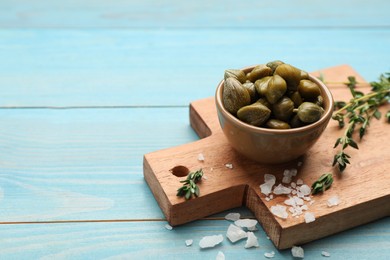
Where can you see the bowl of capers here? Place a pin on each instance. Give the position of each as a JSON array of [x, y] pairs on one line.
[[272, 113]]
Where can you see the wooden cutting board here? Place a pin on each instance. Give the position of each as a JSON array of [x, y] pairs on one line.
[[363, 189]]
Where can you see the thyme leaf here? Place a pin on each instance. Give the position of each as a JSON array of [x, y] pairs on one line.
[[190, 188]]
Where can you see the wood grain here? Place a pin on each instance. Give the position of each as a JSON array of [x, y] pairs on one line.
[[363, 197], [131, 68]]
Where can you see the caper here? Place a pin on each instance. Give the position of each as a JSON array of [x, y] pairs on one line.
[[283, 109], [234, 95], [308, 89], [255, 114], [250, 87], [276, 88], [238, 74], [259, 72], [320, 101], [290, 74], [304, 75], [265, 102], [296, 122], [277, 124], [309, 112], [262, 84], [274, 64], [296, 98]]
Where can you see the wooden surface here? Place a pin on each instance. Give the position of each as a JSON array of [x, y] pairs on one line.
[[363, 198], [89, 87]]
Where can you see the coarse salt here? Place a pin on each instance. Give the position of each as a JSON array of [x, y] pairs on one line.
[[246, 223], [279, 211], [201, 157], [309, 217], [210, 241], [235, 233], [280, 189], [232, 216], [269, 254], [333, 201], [220, 256], [297, 251], [169, 227], [324, 253], [189, 242], [251, 241], [229, 165]]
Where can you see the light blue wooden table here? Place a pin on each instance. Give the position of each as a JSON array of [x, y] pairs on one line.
[[88, 87]]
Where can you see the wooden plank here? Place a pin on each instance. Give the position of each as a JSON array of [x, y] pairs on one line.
[[155, 67], [363, 197], [195, 14], [151, 240]]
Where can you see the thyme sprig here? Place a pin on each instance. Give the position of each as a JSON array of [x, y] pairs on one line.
[[190, 188], [358, 113], [323, 183]]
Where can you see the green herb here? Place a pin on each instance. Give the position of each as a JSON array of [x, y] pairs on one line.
[[189, 187], [322, 184], [357, 113]]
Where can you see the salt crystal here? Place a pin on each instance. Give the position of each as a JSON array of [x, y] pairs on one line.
[[229, 165], [305, 190], [210, 241], [235, 233], [279, 211], [311, 202], [204, 177], [201, 157], [268, 238], [299, 181], [293, 185], [309, 217], [246, 223], [271, 197], [269, 178], [189, 242], [290, 202], [333, 201], [254, 228], [293, 192], [299, 164], [298, 201], [270, 254], [304, 207], [307, 198], [294, 172], [280, 189], [267, 199], [169, 227], [297, 251], [286, 179], [266, 188], [286, 173], [233, 216], [220, 256], [324, 253], [251, 241], [211, 169]]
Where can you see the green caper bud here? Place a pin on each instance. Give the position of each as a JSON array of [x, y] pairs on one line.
[[262, 84], [259, 72], [309, 112], [274, 64], [290, 74], [283, 109], [304, 75], [308, 89], [234, 95], [238, 74], [277, 124], [296, 98], [296, 122], [320, 101], [276, 88], [265, 102], [255, 114], [250, 87]]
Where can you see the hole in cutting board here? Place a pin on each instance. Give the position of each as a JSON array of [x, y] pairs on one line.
[[180, 171]]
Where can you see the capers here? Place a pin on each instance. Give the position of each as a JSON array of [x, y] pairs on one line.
[[258, 72], [309, 112], [290, 74], [277, 124], [283, 109], [255, 114], [308, 89], [276, 89], [237, 74], [276, 95], [234, 95]]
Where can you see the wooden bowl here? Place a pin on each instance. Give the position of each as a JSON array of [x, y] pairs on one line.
[[272, 146]]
